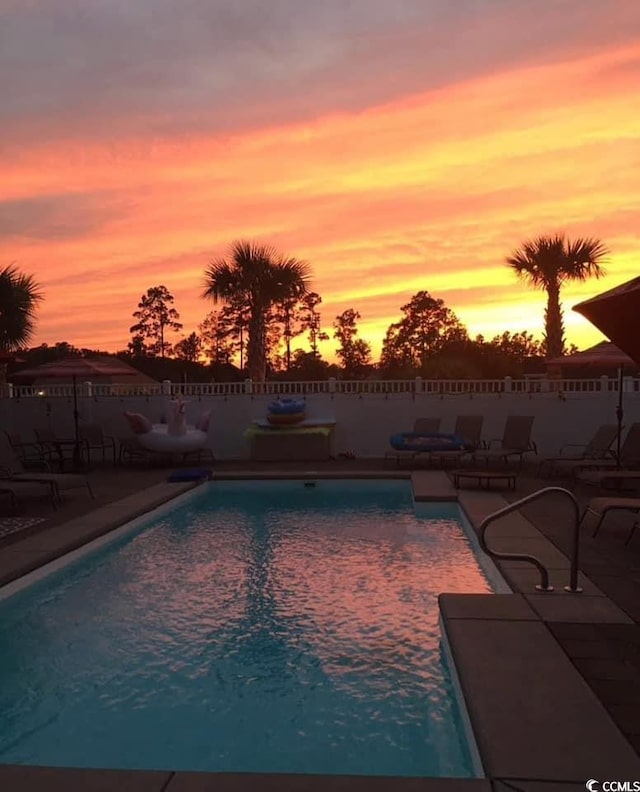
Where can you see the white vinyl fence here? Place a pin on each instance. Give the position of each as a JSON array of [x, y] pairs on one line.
[[366, 412]]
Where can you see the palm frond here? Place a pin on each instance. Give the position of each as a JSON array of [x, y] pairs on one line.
[[19, 297]]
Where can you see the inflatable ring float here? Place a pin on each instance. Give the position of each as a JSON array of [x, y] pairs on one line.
[[286, 406], [159, 439], [286, 412]]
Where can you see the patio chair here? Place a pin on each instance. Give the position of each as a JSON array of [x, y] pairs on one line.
[[629, 458], [54, 448], [599, 447], [600, 507], [402, 448], [19, 491], [515, 442], [469, 429], [129, 450], [30, 454], [11, 468], [94, 439]]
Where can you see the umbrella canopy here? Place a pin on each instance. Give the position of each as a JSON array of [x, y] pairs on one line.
[[605, 354], [75, 368], [615, 313]]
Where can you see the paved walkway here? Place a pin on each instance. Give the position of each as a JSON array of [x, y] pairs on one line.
[[607, 655]]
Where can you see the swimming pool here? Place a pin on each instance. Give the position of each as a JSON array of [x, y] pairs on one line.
[[257, 626]]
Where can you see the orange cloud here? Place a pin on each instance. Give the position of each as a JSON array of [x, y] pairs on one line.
[[430, 191]]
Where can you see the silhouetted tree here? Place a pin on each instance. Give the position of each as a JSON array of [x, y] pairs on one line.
[[353, 352], [155, 317], [189, 348], [259, 277], [518, 346], [137, 347], [311, 320], [216, 331], [19, 298], [548, 262], [289, 314], [425, 329]]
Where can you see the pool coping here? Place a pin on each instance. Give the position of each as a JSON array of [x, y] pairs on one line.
[[498, 642]]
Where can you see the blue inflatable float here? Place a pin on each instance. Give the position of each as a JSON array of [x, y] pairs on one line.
[[426, 441], [286, 406], [286, 412]]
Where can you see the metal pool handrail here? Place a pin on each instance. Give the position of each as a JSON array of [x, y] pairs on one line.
[[544, 572]]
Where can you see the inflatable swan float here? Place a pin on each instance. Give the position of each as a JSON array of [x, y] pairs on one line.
[[175, 436]]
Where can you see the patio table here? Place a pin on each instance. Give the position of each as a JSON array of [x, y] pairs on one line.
[[485, 477]]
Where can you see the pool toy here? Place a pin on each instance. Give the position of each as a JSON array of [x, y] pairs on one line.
[[426, 441], [176, 436], [286, 411]]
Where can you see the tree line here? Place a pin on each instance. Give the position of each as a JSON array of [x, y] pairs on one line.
[[264, 307]]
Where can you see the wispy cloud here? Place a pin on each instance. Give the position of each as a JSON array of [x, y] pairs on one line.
[[396, 146]]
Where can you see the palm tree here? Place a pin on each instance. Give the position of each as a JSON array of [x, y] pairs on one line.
[[547, 262], [258, 277], [19, 297]]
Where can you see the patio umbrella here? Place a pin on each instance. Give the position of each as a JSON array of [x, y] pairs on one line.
[[87, 368], [615, 313]]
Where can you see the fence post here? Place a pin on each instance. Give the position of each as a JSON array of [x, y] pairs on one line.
[[87, 393], [508, 383], [417, 385], [604, 382], [248, 386], [332, 384]]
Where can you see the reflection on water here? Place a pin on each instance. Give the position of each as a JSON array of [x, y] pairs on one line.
[[262, 627]]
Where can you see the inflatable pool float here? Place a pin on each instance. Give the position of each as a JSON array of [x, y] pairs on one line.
[[172, 437], [286, 412], [159, 439], [286, 406], [426, 441]]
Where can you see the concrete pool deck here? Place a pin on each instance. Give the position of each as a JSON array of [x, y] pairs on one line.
[[538, 715]]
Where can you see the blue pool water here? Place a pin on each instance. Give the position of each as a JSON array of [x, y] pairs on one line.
[[259, 626]]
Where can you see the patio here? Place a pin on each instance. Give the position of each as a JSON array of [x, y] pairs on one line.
[[604, 650]]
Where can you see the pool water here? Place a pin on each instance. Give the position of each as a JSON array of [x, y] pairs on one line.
[[257, 627]]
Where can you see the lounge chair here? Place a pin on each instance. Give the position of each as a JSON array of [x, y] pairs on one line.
[[405, 444], [12, 469], [469, 429], [599, 447], [629, 457], [600, 507], [515, 442], [31, 454], [610, 479], [23, 490]]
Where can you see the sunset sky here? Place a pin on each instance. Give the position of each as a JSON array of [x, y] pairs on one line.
[[396, 146]]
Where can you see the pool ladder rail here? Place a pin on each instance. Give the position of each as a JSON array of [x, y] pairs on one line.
[[573, 587]]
